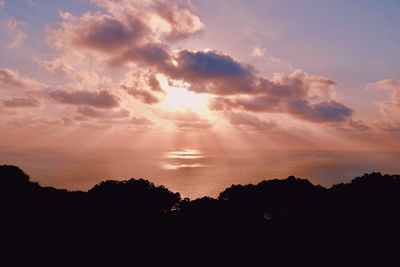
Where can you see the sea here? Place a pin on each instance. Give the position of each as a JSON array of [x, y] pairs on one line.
[[195, 173]]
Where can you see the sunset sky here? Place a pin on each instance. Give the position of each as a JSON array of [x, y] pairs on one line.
[[299, 74]]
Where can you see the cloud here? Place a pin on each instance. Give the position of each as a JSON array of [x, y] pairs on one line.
[[244, 119], [259, 51], [195, 125], [172, 20], [385, 84], [143, 85], [118, 119], [305, 97], [16, 34], [57, 66], [14, 80], [103, 114], [100, 99], [186, 120], [96, 31], [127, 30], [149, 55], [68, 121], [388, 127], [20, 102], [82, 76], [142, 95], [154, 84], [389, 109], [326, 111], [136, 34], [139, 121], [355, 125], [211, 72], [184, 116], [264, 60], [1, 4], [133, 32], [35, 122]]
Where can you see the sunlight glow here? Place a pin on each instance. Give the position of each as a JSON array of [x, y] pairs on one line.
[[178, 98]]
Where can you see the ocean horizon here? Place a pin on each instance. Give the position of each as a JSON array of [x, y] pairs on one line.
[[194, 172]]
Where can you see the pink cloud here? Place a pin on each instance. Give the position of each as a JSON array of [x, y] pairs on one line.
[[244, 119], [99, 99], [142, 95], [15, 32], [14, 80], [20, 102], [103, 114], [389, 109]]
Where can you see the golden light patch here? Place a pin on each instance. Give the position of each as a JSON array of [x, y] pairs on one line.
[[179, 98]]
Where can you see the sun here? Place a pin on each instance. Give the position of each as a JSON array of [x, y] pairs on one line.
[[179, 98]]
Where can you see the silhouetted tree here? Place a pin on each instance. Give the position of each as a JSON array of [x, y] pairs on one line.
[[274, 220]]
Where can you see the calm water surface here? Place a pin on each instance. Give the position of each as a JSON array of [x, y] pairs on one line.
[[195, 173]]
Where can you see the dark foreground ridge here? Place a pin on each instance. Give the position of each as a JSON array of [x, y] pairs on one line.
[[275, 221]]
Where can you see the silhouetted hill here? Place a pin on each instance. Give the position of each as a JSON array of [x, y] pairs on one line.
[[282, 221]]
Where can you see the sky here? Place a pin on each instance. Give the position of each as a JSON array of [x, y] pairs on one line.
[[284, 74]]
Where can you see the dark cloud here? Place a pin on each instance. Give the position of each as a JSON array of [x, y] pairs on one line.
[[124, 32], [100, 99], [247, 120], [150, 55], [177, 17], [107, 34], [326, 111], [103, 114], [240, 88], [154, 84], [142, 95], [253, 104], [98, 31], [212, 72], [20, 102], [299, 94]]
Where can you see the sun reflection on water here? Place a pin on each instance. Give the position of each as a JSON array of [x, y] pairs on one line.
[[168, 166], [183, 159], [184, 154]]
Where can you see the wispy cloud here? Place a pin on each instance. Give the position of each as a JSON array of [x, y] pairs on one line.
[[14, 29]]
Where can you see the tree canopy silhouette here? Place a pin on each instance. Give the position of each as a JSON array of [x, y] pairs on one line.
[[276, 218]]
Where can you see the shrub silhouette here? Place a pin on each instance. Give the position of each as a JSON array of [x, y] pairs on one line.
[[134, 196], [282, 220]]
